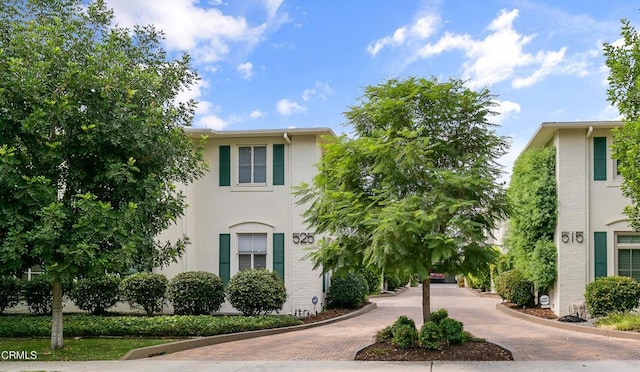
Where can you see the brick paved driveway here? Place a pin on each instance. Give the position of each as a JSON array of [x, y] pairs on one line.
[[341, 340]]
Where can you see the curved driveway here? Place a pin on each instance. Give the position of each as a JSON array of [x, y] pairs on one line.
[[341, 340]]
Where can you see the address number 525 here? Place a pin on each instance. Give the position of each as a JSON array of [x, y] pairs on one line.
[[303, 238]]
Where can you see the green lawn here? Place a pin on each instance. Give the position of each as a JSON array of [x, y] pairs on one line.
[[78, 348]]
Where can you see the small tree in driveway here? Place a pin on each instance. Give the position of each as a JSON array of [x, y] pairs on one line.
[[416, 186]]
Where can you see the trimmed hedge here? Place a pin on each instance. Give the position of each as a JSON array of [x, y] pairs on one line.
[[347, 291], [145, 290], [140, 326], [256, 291], [195, 293], [10, 292], [96, 295], [611, 294], [513, 287]]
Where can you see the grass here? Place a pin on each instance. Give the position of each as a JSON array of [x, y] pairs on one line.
[[621, 322], [77, 348]]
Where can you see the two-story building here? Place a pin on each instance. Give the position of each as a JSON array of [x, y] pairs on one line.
[[592, 236], [242, 213]]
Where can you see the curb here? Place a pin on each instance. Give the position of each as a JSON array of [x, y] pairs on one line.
[[568, 326], [151, 351]]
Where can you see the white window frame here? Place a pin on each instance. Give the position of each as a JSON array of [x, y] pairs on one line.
[[266, 165], [625, 246], [253, 252]]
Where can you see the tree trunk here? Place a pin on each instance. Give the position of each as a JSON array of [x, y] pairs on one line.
[[56, 324], [426, 299]]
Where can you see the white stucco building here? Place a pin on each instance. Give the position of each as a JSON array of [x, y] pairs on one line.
[[242, 213], [592, 236]]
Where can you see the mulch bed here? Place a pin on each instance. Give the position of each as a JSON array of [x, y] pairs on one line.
[[469, 351], [535, 311]]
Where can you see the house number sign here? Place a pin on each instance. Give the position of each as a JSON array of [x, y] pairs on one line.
[[572, 236], [303, 238]]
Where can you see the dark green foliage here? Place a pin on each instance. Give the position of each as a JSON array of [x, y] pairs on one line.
[[96, 295], [141, 326], [372, 277], [145, 290], [347, 291], [195, 293], [481, 279], [256, 291], [438, 315], [404, 336], [452, 331], [403, 320], [611, 294], [430, 335], [513, 287], [385, 334], [392, 282], [532, 196], [37, 294], [10, 292]]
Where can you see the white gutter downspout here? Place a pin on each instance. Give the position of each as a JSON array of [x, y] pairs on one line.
[[286, 138], [587, 198]]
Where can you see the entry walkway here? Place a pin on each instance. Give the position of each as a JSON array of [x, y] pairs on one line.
[[341, 340]]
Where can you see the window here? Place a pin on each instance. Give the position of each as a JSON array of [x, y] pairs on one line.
[[599, 158], [629, 255], [252, 164], [252, 251]]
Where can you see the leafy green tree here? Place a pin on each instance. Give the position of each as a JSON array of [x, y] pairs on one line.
[[417, 186], [534, 212], [91, 143], [624, 92]]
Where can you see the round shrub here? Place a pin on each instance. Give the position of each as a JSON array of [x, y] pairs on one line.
[[438, 315], [256, 291], [10, 292], [611, 294], [195, 293], [347, 291], [392, 283], [452, 331], [373, 280], [38, 293], [96, 295], [404, 336], [402, 320], [513, 287], [144, 290], [430, 335]]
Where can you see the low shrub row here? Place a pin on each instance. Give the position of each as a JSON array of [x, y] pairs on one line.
[[512, 286], [191, 293], [77, 325], [440, 331]]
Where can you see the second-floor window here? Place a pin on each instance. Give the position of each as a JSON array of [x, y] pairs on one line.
[[252, 164]]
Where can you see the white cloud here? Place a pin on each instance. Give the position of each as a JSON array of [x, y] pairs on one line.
[[206, 32], [211, 121], [504, 110], [257, 114], [287, 107], [421, 29], [246, 70], [549, 63], [320, 90]]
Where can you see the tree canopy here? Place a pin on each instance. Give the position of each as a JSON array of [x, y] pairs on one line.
[[91, 142], [533, 197], [624, 91], [416, 186]]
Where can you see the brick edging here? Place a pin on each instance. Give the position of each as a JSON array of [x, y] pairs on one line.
[[567, 326], [150, 351]]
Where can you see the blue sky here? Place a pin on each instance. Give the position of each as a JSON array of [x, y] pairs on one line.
[[293, 63]]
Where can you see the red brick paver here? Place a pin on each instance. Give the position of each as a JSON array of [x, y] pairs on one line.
[[341, 340]]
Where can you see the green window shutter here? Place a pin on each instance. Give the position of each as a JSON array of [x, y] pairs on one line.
[[278, 164], [225, 165], [225, 258], [600, 253], [278, 254], [599, 158]]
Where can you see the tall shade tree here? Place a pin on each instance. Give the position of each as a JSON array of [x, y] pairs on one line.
[[91, 143], [623, 61], [416, 187]]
